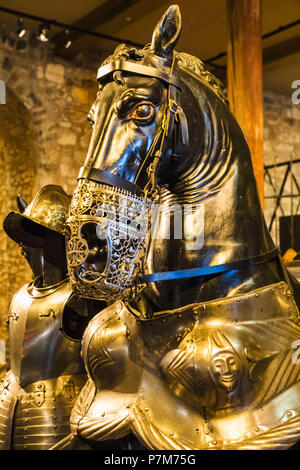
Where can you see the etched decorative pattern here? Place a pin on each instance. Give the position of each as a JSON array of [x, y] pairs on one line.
[[122, 221]]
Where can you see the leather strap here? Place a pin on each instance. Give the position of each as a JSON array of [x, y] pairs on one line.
[[209, 270], [135, 68], [105, 177]]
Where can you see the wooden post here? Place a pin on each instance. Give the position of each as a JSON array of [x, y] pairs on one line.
[[244, 77]]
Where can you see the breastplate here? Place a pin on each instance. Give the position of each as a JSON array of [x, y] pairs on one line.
[[39, 348], [219, 375], [46, 366]]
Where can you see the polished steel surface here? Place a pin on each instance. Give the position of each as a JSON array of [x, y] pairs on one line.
[[185, 364], [42, 413], [46, 373], [100, 212], [9, 387], [39, 348], [45, 327], [47, 211], [215, 375], [203, 363], [49, 207]]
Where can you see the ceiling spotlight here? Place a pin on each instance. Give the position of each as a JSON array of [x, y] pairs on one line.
[[43, 32], [68, 39], [21, 30]]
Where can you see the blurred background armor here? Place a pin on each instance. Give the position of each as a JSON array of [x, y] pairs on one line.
[[46, 322]]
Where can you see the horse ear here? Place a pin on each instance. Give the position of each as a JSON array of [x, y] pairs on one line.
[[167, 32]]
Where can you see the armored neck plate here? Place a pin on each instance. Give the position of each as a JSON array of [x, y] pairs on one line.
[[35, 291], [216, 375]]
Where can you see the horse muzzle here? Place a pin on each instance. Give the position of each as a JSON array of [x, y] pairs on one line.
[[106, 232]]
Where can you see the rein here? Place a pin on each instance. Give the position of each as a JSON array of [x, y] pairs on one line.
[[209, 270]]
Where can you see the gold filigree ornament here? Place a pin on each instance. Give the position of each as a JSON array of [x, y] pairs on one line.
[[106, 232]]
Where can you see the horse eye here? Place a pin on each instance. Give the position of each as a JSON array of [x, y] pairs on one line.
[[142, 111]]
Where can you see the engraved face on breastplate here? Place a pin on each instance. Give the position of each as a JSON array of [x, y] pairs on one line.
[[207, 369], [226, 370], [213, 375]]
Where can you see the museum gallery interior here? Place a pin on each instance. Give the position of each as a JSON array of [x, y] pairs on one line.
[[150, 225]]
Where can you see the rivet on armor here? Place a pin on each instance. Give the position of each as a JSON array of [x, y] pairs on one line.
[[171, 433], [289, 413], [146, 409], [103, 414], [257, 429]]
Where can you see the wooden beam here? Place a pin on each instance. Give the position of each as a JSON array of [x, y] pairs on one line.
[[95, 18], [244, 77], [109, 10], [281, 50], [270, 54]]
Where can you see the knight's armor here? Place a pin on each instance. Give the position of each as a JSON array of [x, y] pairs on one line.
[[218, 375], [46, 375], [46, 322]]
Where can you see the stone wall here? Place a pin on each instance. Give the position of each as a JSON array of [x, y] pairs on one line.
[[281, 144], [44, 136], [58, 96], [18, 167]]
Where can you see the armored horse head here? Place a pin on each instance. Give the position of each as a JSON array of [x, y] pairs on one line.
[[166, 217], [165, 147]]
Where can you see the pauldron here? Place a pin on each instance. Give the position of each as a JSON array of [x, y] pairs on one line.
[[217, 375]]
